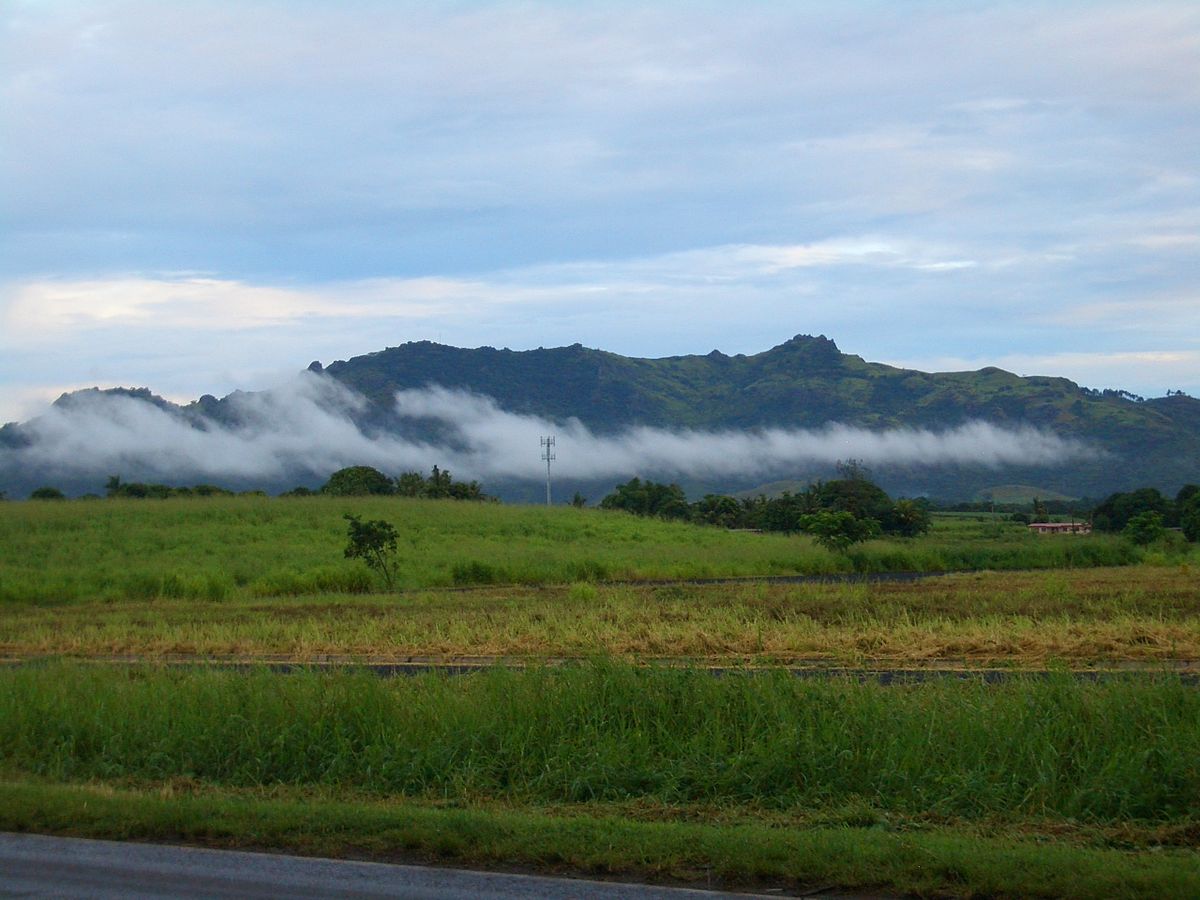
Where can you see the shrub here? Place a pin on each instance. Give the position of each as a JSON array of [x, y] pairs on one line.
[[838, 530], [357, 481], [1144, 528], [374, 542]]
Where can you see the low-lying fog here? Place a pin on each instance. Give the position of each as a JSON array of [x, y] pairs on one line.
[[308, 426]]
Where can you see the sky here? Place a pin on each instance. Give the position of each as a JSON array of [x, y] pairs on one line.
[[206, 196]]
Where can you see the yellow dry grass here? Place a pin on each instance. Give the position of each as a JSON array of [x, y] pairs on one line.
[[1083, 617]]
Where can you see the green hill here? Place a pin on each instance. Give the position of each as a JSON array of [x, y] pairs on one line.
[[806, 382]]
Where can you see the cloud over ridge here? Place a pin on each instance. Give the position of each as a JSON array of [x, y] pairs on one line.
[[310, 427]]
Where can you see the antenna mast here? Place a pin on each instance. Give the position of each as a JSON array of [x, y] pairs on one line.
[[548, 456]]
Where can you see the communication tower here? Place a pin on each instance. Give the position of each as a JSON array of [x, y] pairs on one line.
[[548, 456]]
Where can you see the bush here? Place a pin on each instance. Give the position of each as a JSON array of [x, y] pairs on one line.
[[1144, 528], [47, 493], [836, 531], [355, 481]]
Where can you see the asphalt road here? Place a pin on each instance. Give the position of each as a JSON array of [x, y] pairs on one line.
[[39, 866]]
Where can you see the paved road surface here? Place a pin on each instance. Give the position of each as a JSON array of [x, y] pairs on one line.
[[40, 866]]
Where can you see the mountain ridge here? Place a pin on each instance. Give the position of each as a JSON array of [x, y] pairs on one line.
[[806, 382]]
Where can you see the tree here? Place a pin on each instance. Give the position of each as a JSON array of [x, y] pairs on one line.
[[785, 512], [358, 480], [1040, 514], [853, 470], [648, 498], [439, 483], [410, 484], [579, 501], [857, 496], [1117, 510], [299, 491], [1189, 517], [907, 518], [718, 509], [1144, 528], [374, 542], [211, 490], [837, 530], [47, 493]]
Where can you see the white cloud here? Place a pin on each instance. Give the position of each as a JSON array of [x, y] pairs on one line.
[[38, 310], [498, 441], [306, 428]]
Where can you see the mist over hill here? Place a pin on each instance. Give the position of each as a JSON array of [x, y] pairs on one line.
[[711, 422]]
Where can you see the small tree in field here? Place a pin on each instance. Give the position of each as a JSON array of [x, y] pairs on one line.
[[836, 531], [373, 542]]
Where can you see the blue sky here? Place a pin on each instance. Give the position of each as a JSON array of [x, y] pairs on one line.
[[205, 196]]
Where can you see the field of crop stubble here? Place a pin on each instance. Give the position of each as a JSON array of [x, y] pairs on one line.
[[605, 765]]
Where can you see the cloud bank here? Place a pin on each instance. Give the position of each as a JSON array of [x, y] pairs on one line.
[[310, 428]]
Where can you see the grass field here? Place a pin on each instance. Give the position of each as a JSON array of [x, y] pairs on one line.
[[613, 763], [221, 548], [611, 732], [753, 766]]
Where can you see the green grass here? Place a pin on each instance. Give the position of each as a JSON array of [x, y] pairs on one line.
[[219, 548], [931, 861], [1035, 788], [1098, 752]]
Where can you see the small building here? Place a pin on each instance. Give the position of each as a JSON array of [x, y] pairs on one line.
[[1060, 527]]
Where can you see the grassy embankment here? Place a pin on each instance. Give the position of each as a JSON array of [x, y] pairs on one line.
[[662, 773]]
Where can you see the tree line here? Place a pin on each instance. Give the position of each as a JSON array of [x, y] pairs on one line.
[[347, 482], [354, 481], [838, 513], [1144, 514]]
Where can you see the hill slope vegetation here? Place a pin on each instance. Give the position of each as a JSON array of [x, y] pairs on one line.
[[806, 382]]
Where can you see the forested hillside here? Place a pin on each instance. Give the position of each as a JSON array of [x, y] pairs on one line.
[[804, 383]]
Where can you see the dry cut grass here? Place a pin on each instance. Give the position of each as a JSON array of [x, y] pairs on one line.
[[1090, 616]]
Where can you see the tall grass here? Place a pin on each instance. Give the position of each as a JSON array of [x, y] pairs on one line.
[[1100, 752]]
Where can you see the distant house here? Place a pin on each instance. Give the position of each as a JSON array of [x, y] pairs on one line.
[[1060, 527]]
